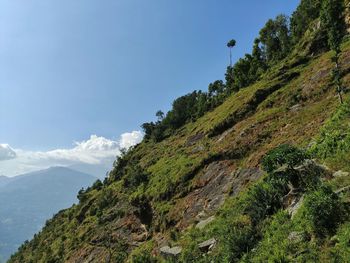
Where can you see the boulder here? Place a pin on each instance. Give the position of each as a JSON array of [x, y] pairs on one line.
[[207, 245], [170, 252]]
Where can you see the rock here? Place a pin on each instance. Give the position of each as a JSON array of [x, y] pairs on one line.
[[295, 108], [207, 245], [243, 177], [193, 139], [218, 181], [168, 252], [197, 149], [295, 205], [340, 173], [205, 222], [296, 237], [343, 189]]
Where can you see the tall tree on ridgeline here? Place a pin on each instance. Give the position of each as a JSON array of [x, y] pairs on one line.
[[230, 45]]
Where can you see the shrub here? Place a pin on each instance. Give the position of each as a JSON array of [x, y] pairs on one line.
[[135, 176], [323, 211], [284, 154]]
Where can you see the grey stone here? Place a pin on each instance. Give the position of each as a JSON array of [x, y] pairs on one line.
[[343, 189], [205, 222], [295, 108], [207, 245], [197, 149], [340, 173], [170, 252], [295, 205]]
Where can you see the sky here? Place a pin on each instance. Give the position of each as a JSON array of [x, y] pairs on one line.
[[88, 71]]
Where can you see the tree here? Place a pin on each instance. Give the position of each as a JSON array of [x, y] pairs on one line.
[[230, 45], [275, 39], [160, 115], [306, 12], [333, 23], [216, 88]]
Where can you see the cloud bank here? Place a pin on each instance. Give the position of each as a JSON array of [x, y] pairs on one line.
[[6, 152], [96, 151]]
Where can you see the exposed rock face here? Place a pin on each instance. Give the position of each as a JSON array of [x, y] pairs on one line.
[[218, 181], [243, 177], [193, 139]]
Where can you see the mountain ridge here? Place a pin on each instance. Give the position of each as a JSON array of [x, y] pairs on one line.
[[28, 200], [239, 182]]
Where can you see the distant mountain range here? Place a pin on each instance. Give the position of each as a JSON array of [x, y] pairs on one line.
[[4, 180], [28, 200]]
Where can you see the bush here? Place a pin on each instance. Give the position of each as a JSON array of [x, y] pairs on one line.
[[323, 211], [135, 176], [284, 154]]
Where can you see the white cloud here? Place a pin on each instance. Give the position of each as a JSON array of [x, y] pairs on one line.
[[96, 151], [6, 152], [130, 139]]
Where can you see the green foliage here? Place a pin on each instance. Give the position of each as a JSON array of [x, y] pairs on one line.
[[82, 195], [306, 12], [185, 109], [323, 211], [97, 185], [333, 143], [237, 238], [245, 72], [341, 251], [284, 154], [333, 22], [275, 39], [135, 176], [231, 43]]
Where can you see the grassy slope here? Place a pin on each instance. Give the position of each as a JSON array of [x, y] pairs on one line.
[[241, 131]]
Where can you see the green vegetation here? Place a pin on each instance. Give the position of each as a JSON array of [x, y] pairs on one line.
[[276, 110], [283, 155]]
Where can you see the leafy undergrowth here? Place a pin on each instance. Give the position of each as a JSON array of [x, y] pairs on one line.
[[128, 217]]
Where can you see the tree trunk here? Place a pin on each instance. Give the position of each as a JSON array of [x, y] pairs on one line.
[[340, 95]]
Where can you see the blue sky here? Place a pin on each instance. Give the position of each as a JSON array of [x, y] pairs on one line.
[[71, 69]]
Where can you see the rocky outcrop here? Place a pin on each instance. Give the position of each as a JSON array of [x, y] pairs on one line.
[[218, 181]]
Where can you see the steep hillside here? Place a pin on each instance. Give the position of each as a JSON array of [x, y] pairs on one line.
[[206, 193], [27, 201]]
